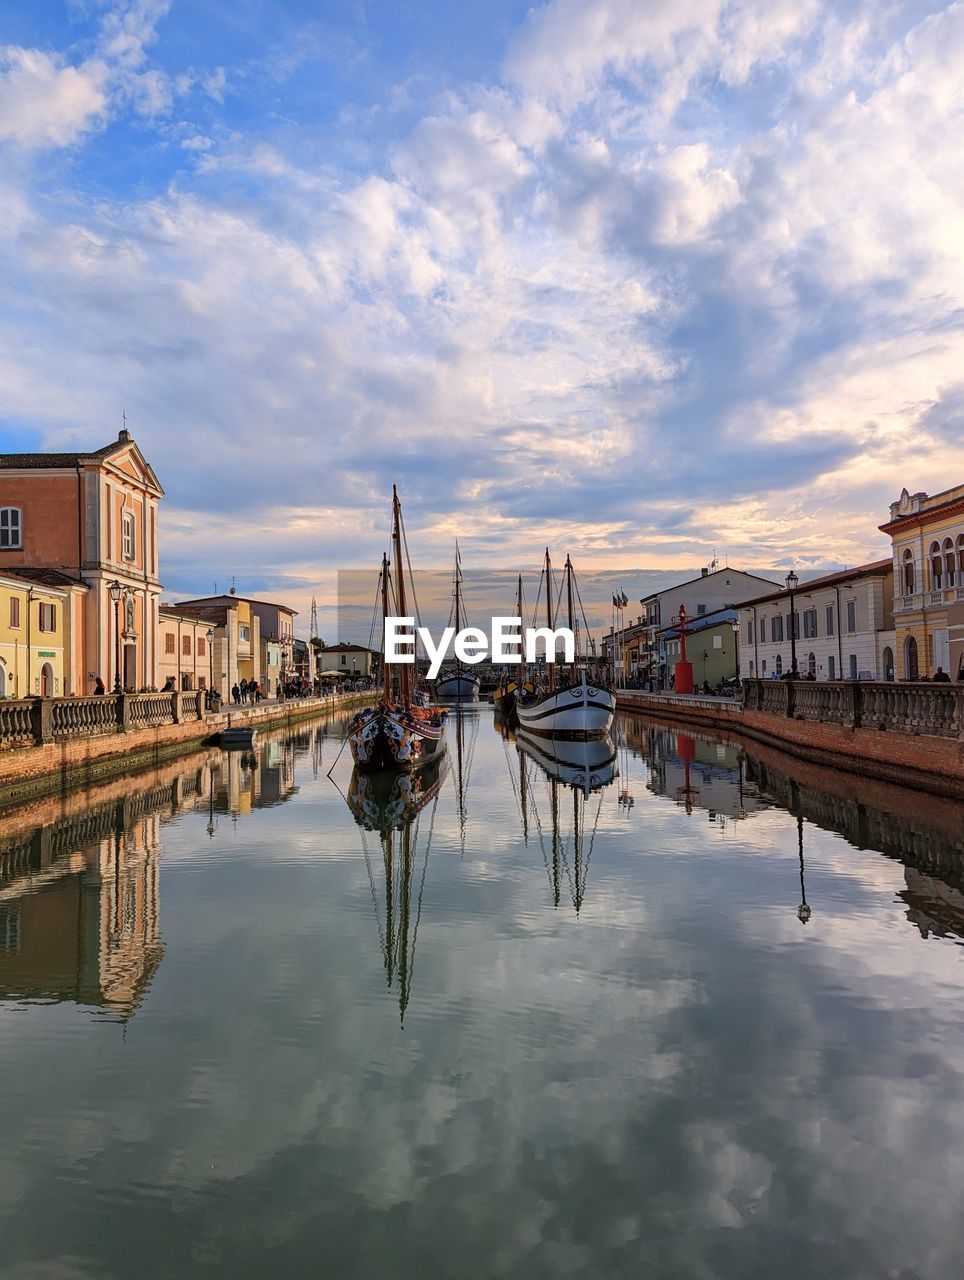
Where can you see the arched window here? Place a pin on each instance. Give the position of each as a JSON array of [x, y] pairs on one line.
[[812, 664], [908, 572], [11, 528], [960, 557], [950, 577], [779, 665], [937, 576]]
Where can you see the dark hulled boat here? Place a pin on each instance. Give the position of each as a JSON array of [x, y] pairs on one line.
[[399, 733]]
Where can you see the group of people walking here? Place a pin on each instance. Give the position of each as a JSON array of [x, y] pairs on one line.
[[247, 693]]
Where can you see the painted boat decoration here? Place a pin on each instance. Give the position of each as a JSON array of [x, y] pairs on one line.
[[579, 710]]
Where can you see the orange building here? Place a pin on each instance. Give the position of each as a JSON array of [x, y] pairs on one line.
[[92, 517]]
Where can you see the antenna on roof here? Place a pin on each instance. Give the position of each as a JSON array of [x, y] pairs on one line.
[[234, 585]]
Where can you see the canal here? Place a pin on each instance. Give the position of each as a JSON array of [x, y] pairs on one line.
[[700, 1016]]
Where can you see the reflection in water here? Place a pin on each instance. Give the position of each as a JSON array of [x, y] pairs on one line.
[[390, 805], [582, 767], [79, 876], [674, 1078]]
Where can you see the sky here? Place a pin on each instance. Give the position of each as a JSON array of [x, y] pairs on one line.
[[643, 282]]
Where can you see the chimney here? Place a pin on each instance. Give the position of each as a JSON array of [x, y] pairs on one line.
[[704, 573]]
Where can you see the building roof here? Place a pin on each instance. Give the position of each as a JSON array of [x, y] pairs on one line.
[[44, 577], [172, 610], [705, 577], [55, 461], [228, 598], [12, 461], [876, 569], [342, 648], [930, 509]]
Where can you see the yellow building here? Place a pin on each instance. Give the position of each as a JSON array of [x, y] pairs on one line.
[[41, 626], [927, 535]]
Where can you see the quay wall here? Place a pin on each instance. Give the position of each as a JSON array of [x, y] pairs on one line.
[[56, 767], [922, 761]]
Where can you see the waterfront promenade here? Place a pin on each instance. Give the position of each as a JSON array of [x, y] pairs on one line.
[[908, 733], [54, 744]]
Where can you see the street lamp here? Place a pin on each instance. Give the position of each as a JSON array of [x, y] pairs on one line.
[[116, 591], [792, 583], [210, 663], [803, 911], [735, 624]]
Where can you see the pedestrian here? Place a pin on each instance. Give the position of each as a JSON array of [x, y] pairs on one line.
[[99, 686], [235, 695], [940, 676]]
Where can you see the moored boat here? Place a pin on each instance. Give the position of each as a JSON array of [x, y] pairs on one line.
[[576, 708], [400, 732], [239, 735], [458, 684]]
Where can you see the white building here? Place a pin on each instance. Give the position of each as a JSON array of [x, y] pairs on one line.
[[711, 591], [843, 622]]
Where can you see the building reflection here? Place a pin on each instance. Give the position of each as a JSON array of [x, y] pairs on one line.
[[699, 773], [79, 874], [729, 782]]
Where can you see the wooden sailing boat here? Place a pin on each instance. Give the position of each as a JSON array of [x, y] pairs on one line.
[[398, 733], [459, 683], [576, 709]]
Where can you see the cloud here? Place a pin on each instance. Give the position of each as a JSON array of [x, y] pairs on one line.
[[44, 102], [668, 278]]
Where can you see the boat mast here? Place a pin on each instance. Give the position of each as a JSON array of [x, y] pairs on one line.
[[405, 683], [572, 665], [458, 616], [550, 664], [554, 789], [386, 669]]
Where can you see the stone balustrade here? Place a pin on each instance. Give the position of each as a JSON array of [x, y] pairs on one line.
[[905, 707], [34, 721]]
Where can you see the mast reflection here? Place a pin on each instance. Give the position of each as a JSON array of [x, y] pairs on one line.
[[584, 768], [391, 805]]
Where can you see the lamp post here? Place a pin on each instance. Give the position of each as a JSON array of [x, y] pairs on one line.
[[116, 591], [735, 624], [803, 911], [210, 663], [792, 583]]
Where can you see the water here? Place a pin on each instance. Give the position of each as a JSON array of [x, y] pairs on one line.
[[718, 1034]]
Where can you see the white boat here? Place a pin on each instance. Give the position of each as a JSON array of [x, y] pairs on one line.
[[575, 708], [239, 735], [579, 711]]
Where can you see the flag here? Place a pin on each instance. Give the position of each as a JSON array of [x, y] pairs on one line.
[[615, 603], [625, 600]]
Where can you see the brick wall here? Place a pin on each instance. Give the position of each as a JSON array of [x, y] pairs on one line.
[[924, 763]]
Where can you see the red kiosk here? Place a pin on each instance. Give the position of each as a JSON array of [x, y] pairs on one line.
[[683, 671]]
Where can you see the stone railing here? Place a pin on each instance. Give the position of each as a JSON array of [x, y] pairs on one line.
[[82, 717], [905, 707], [16, 722], [33, 721]]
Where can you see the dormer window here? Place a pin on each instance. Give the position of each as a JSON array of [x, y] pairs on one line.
[[11, 529], [128, 530]]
